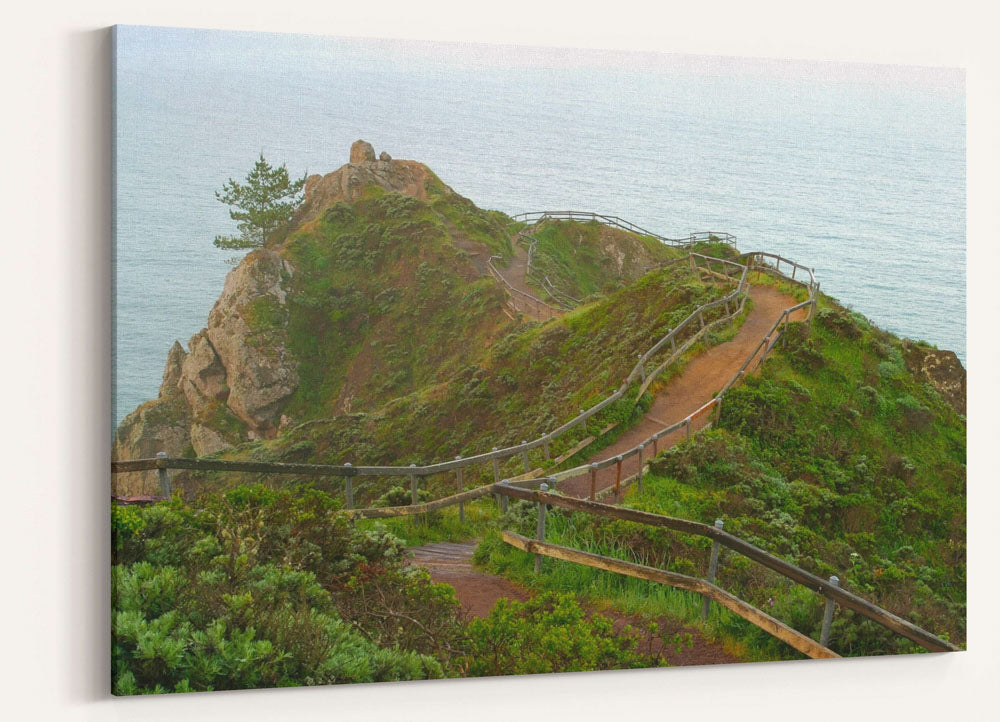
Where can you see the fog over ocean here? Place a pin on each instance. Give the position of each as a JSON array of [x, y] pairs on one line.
[[858, 171]]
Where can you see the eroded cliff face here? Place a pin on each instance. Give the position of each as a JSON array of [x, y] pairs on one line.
[[229, 385]]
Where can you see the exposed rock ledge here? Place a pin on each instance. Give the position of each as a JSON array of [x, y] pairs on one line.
[[942, 369], [347, 182]]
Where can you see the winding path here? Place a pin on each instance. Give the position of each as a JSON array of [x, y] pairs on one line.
[[701, 378], [704, 375]]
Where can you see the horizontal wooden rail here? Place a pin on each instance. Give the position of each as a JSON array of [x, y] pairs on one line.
[[534, 217], [811, 581], [386, 512], [769, 624]]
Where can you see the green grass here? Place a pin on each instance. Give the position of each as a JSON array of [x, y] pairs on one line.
[[627, 595], [836, 459], [574, 257]]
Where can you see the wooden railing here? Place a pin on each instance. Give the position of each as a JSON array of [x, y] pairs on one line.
[[543, 310], [533, 217], [829, 589]]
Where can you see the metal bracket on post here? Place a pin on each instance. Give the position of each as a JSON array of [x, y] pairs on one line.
[[540, 528], [824, 635], [164, 476], [713, 568]]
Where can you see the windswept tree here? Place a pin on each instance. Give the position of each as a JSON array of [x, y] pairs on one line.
[[260, 206]]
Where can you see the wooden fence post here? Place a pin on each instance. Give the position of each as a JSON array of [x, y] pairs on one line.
[[688, 420], [618, 479], [524, 455], [642, 369], [545, 446], [349, 485], [639, 480], [540, 528], [503, 498], [461, 506], [164, 476], [824, 635], [593, 482], [713, 569], [414, 496]]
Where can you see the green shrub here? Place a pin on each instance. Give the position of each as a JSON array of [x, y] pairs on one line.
[[549, 633]]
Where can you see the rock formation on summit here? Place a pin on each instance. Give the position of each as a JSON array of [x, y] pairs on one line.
[[347, 182]]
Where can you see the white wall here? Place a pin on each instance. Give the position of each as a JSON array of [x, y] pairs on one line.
[[55, 290]]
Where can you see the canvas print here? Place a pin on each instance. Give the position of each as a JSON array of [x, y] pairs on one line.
[[447, 361]]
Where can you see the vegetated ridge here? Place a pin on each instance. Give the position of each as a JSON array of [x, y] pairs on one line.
[[369, 332]]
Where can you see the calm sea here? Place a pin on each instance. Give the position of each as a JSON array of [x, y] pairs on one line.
[[859, 172]]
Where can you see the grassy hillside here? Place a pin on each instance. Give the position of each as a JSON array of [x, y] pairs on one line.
[[531, 379], [836, 458], [584, 259]]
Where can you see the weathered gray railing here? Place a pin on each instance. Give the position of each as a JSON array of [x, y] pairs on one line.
[[752, 261], [560, 297], [525, 298], [829, 589], [534, 217]]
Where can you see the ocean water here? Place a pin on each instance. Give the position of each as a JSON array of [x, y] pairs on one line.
[[856, 171]]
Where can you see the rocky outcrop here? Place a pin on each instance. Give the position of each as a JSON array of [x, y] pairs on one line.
[[235, 378], [347, 182], [942, 369], [362, 152], [232, 382], [246, 329]]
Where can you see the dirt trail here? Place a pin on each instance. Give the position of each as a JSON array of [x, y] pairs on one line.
[[516, 274], [477, 592], [703, 376]]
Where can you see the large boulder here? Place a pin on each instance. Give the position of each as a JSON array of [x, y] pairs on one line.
[[362, 152]]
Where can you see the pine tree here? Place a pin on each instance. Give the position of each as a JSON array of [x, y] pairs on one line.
[[260, 206]]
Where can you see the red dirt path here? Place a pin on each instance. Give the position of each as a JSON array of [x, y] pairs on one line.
[[478, 593], [703, 376]]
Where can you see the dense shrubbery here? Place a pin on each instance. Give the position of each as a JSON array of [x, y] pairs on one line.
[[259, 587], [265, 588], [550, 633]]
